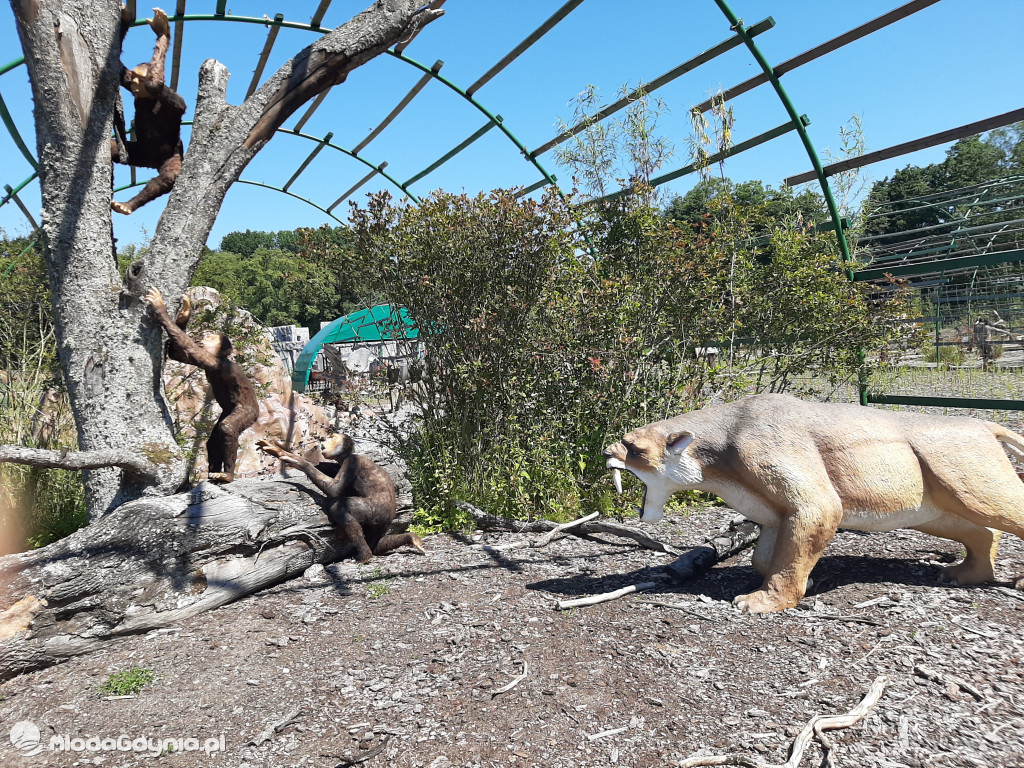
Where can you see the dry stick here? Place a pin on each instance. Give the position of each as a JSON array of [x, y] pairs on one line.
[[609, 732], [542, 542], [276, 727], [547, 539], [511, 685], [814, 727], [677, 607], [851, 619], [928, 674], [605, 596], [368, 754], [488, 522]]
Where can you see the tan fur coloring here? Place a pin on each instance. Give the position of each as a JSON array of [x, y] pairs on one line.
[[803, 469]]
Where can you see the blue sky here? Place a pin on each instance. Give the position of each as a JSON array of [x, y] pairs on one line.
[[952, 63]]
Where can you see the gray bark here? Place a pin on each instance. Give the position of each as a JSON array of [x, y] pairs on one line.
[[110, 349], [156, 561], [64, 459], [110, 361]]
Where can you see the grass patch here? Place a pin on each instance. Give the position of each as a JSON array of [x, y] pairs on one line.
[[126, 683], [380, 586]]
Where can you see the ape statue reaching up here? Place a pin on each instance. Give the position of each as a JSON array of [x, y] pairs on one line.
[[158, 113], [362, 497], [231, 387]]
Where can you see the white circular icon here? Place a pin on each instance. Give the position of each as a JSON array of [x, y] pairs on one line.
[[25, 738]]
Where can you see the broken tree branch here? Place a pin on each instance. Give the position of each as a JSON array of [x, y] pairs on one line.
[[604, 597], [65, 459], [487, 522], [329, 60], [815, 727], [943, 679], [549, 537], [678, 607], [726, 543], [277, 727], [513, 684]]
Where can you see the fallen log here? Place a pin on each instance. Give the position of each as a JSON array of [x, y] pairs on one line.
[[156, 561]]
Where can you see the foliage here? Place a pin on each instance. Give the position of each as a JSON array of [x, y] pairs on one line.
[[284, 278], [622, 151], [37, 506], [539, 350], [778, 206], [246, 243], [128, 682], [551, 328], [944, 354], [380, 586]]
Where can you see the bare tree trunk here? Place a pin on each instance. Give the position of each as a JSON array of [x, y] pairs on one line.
[[109, 359], [110, 350], [156, 561]]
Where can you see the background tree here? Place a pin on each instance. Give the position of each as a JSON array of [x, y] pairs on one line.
[[900, 203], [299, 277]]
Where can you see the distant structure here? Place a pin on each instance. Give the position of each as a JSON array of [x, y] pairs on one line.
[[356, 346], [288, 343]]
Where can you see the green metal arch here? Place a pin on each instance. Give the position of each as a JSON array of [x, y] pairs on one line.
[[798, 123], [349, 326], [282, 23]]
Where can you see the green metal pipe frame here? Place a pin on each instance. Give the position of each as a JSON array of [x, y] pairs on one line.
[[805, 138], [283, 23], [473, 137], [736, 149], [305, 200], [12, 129], [947, 265], [309, 159], [651, 86]]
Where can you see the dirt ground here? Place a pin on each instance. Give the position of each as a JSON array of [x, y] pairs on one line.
[[411, 653]]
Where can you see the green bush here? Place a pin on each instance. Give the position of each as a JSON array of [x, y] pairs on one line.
[[542, 346], [944, 354], [127, 683]]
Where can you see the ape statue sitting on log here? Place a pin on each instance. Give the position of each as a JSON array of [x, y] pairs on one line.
[[231, 387], [361, 497], [158, 113]]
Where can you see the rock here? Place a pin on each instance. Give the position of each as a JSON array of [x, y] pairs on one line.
[[316, 574]]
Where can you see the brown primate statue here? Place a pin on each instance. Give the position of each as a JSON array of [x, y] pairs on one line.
[[158, 113], [231, 387], [361, 497]]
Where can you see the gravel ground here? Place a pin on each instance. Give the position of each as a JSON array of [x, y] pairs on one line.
[[410, 654]]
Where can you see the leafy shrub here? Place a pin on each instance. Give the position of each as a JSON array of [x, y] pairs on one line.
[[944, 354], [541, 346]]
